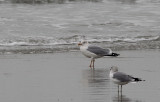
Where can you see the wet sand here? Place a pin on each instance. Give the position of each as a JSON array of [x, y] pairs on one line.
[[66, 77]]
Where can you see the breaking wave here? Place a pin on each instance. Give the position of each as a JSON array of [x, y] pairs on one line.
[[28, 45]]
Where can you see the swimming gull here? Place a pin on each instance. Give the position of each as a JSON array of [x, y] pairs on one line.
[[121, 78], [94, 52]]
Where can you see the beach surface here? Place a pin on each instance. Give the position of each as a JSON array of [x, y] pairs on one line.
[[66, 77]]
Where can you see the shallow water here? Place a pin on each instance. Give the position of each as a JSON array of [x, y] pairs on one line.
[[65, 77]]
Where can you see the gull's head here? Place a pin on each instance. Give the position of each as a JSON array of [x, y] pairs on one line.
[[114, 69], [81, 43]]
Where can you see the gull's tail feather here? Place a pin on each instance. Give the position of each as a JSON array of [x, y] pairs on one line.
[[137, 79], [112, 54], [115, 54]]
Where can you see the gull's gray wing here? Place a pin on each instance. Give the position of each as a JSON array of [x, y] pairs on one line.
[[99, 51], [122, 77]]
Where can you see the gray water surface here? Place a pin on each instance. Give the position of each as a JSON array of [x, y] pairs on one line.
[[66, 77]]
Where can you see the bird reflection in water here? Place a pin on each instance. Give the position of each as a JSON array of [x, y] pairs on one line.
[[121, 98], [96, 77], [96, 84]]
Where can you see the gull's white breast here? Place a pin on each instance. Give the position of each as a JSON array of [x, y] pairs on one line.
[[88, 53]]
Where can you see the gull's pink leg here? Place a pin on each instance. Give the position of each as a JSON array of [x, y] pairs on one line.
[[91, 64]]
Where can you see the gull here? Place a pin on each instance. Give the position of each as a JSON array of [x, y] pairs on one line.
[[121, 78], [94, 52]]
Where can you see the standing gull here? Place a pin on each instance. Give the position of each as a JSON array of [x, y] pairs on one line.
[[94, 52], [121, 78]]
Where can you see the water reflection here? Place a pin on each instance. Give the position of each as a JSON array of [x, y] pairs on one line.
[[96, 84], [96, 77], [121, 98]]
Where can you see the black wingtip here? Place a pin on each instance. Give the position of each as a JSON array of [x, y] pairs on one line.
[[115, 54], [138, 79]]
